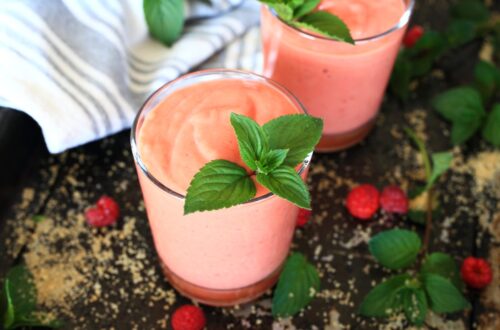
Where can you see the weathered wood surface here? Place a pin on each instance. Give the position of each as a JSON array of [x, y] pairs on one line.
[[62, 186]]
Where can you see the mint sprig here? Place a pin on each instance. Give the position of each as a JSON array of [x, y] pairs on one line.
[[436, 285], [271, 152], [298, 284], [302, 14]]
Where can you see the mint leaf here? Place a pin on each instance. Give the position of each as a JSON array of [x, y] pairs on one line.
[[487, 79], [384, 299], [441, 162], [251, 139], [414, 305], [444, 297], [165, 19], [444, 265], [282, 9], [401, 77], [449, 103], [460, 32], [271, 160], [423, 54], [7, 307], [306, 8], [38, 218], [297, 133], [297, 286], [217, 185], [463, 107], [286, 183], [395, 248], [327, 24], [491, 130], [471, 10]]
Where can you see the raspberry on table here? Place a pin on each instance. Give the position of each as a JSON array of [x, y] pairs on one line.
[[476, 272], [188, 317], [105, 213], [394, 200], [363, 201], [413, 36], [303, 217]]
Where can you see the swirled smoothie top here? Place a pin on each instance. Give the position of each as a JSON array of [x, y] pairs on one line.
[[191, 127]]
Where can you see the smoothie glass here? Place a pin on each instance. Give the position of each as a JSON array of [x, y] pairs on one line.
[[221, 257], [341, 83]]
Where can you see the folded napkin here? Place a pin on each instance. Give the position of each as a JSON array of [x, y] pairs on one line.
[[83, 68]]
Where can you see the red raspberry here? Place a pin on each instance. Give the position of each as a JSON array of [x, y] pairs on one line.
[[188, 317], [393, 200], [413, 35], [476, 272], [105, 213], [363, 201], [303, 217]]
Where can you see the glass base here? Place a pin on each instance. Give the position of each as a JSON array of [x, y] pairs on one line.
[[337, 142], [221, 297]]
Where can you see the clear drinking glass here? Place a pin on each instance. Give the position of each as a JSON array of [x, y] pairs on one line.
[[221, 257], [339, 82]]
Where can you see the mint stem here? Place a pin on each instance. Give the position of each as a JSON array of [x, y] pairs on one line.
[[428, 222]]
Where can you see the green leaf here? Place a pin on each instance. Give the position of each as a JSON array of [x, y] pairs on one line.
[[384, 299], [297, 285], [441, 162], [425, 52], [297, 133], [217, 185], [326, 24], [251, 139], [307, 7], [38, 218], [491, 130], [414, 305], [471, 10], [395, 248], [165, 19], [460, 32], [7, 308], [444, 265], [401, 77], [282, 9], [271, 160], [449, 103], [463, 107], [419, 217], [286, 183], [487, 79], [444, 297]]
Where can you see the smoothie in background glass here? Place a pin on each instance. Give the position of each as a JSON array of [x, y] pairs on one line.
[[221, 257], [343, 84]]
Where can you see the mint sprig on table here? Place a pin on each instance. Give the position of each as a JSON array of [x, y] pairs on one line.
[[302, 14], [271, 152], [434, 281]]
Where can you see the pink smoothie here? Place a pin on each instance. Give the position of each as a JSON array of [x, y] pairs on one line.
[[186, 128], [342, 83]]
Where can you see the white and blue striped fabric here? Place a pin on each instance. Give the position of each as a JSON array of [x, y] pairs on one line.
[[83, 68]]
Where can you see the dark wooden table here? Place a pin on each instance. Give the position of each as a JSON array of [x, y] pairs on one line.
[[110, 278]]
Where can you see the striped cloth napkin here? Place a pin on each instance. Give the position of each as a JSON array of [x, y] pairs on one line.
[[83, 68]]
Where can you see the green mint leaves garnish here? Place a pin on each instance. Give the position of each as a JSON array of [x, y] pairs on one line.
[[165, 19], [297, 286], [436, 286], [271, 152], [302, 14]]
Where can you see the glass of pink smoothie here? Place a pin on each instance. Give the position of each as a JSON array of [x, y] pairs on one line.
[[341, 83], [221, 257]]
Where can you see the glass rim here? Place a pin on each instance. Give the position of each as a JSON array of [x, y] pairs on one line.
[[403, 20], [201, 73]]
